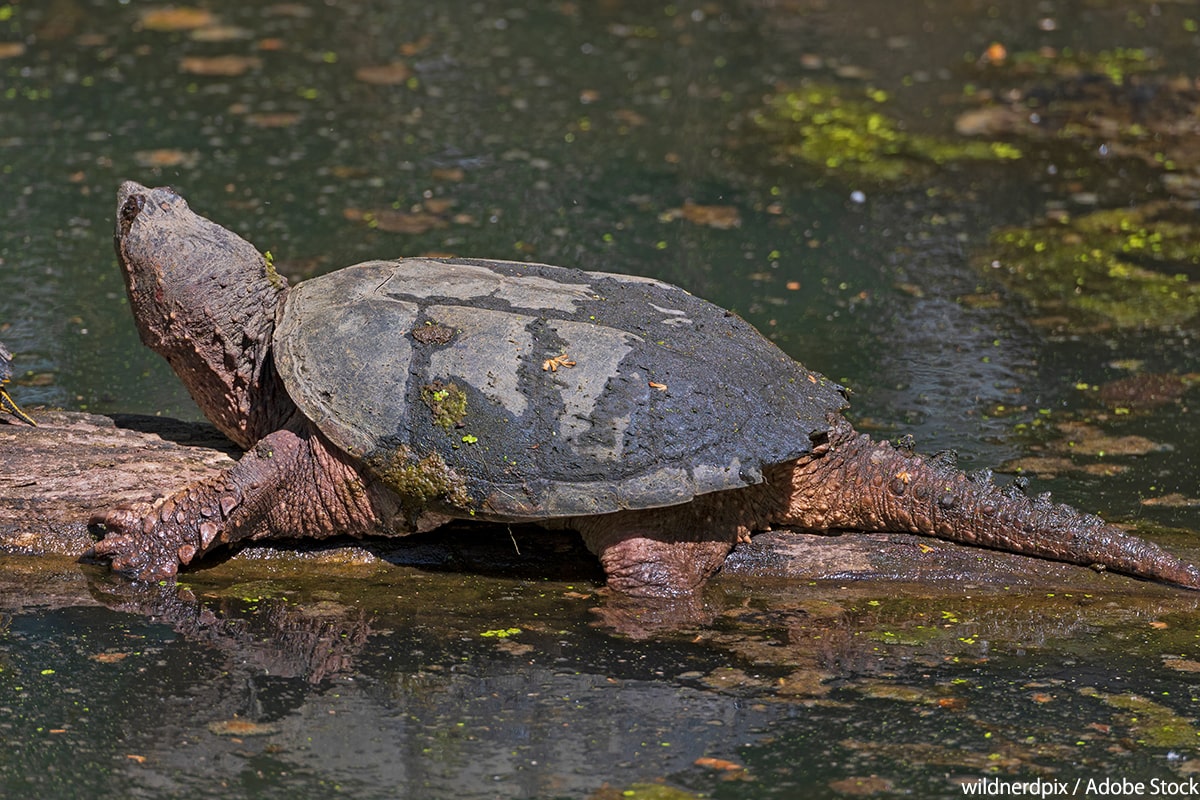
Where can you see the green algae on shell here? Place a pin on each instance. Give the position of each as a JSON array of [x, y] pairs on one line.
[[423, 482], [447, 401]]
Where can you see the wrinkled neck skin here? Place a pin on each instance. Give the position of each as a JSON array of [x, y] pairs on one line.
[[205, 300]]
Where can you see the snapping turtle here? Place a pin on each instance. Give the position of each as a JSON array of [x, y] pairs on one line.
[[6, 402], [393, 396]]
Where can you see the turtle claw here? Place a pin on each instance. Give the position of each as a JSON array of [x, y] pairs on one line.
[[151, 541], [134, 545]]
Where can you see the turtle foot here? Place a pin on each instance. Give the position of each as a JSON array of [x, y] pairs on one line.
[[138, 545], [150, 541]]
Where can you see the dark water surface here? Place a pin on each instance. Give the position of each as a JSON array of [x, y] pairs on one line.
[[625, 137]]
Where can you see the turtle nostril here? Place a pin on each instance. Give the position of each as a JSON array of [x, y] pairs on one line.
[[133, 206]]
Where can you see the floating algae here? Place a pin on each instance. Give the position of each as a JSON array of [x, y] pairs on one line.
[[1123, 268]]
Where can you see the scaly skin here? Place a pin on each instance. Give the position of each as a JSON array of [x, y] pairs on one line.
[[206, 300], [852, 483], [855, 483], [291, 483]]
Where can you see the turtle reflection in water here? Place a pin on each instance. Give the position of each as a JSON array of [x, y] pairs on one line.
[[393, 396], [6, 401]]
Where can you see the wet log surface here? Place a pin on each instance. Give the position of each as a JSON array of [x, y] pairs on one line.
[[55, 476]]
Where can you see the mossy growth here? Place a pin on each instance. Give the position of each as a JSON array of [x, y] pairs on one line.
[[277, 281], [1152, 723], [1124, 268], [422, 482], [1116, 64], [818, 124], [1119, 101], [447, 401], [251, 591]]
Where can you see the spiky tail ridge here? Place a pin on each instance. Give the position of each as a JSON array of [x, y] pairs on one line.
[[855, 483]]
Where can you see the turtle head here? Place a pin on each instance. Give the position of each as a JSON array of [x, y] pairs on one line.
[[204, 299]]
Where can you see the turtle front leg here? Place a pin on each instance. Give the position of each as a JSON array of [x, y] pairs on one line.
[[290, 484], [149, 541]]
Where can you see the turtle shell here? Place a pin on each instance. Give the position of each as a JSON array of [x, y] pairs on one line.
[[524, 391]]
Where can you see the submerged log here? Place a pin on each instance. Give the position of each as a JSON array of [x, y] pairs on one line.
[[54, 477]]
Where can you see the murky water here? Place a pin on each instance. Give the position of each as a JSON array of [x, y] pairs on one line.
[[625, 137]]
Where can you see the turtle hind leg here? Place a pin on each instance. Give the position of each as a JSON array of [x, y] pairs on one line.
[[289, 485], [7, 404], [661, 552]]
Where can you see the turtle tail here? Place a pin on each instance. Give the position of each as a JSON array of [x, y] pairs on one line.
[[854, 483]]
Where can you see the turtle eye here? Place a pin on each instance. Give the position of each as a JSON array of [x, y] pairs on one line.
[[133, 206]]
